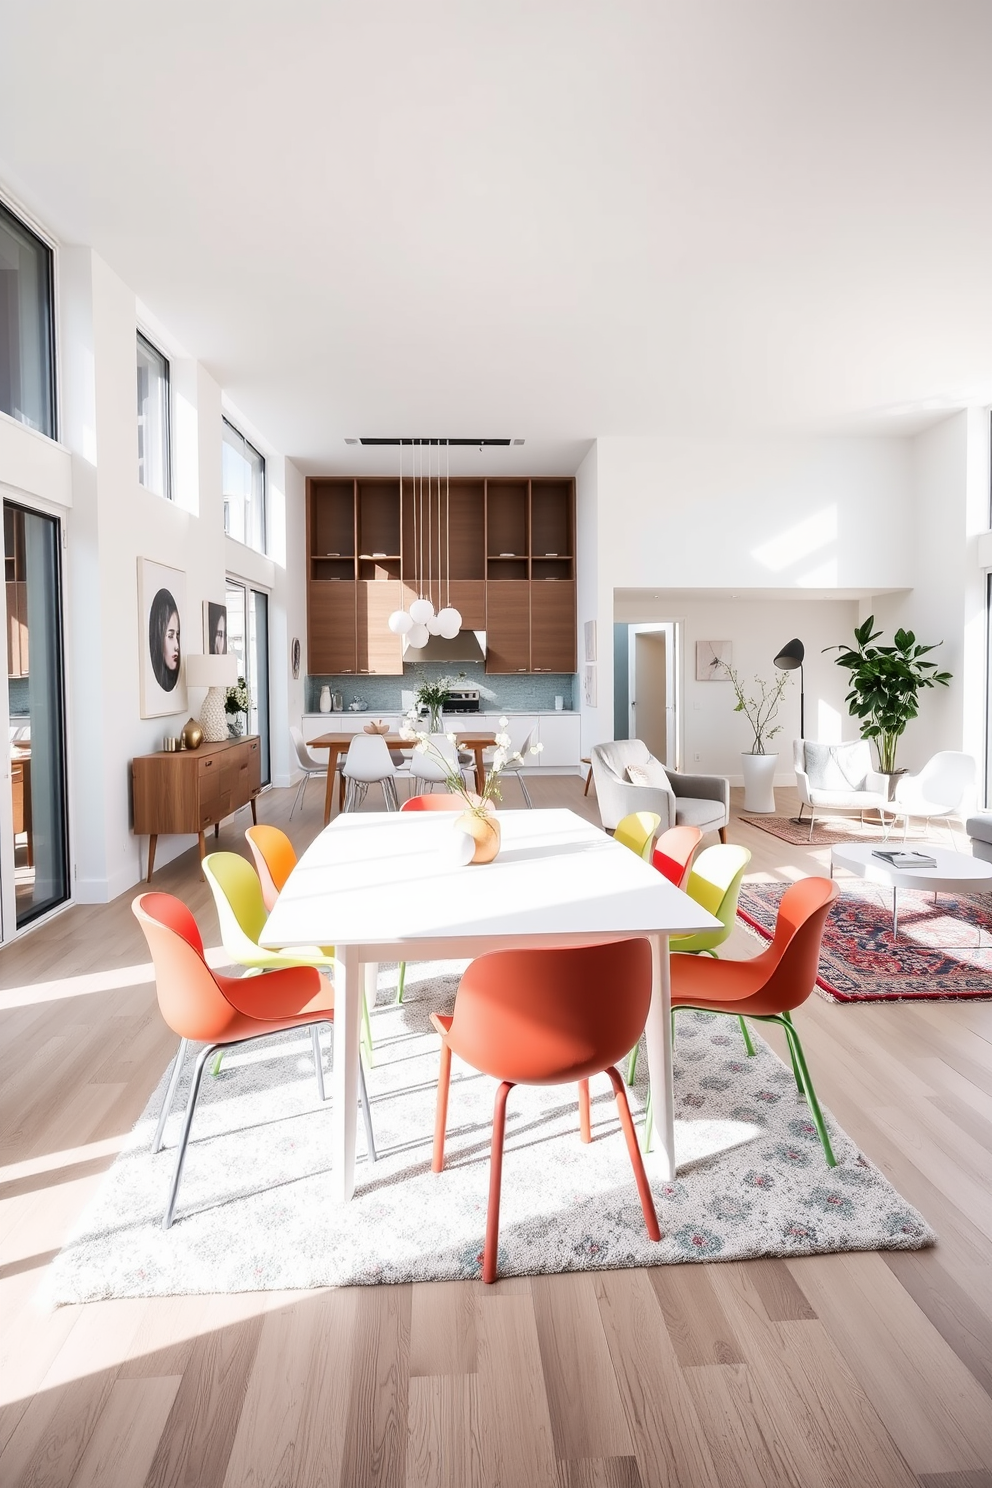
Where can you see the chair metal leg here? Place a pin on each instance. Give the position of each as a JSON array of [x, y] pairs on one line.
[[363, 1096], [523, 787], [163, 1115], [194, 1091], [441, 1113], [389, 794], [490, 1254], [585, 1116], [300, 792], [636, 1161], [317, 1060]]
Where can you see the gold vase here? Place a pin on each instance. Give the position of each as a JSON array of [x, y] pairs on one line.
[[192, 734], [484, 831]]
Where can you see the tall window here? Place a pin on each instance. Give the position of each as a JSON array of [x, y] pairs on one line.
[[248, 638], [244, 490], [153, 419], [27, 360]]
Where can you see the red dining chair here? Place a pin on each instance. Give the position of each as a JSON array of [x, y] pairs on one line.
[[673, 853], [219, 1011], [443, 801], [547, 1018], [770, 986]]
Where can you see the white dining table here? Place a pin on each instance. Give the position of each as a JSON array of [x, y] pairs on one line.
[[388, 887]]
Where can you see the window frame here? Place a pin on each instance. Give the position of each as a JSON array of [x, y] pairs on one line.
[[27, 223], [263, 551], [143, 340]]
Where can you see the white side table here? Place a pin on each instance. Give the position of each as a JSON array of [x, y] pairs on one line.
[[955, 873]]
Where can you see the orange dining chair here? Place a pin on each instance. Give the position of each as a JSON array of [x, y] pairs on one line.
[[443, 801], [219, 1011], [541, 1018], [673, 853], [770, 986], [275, 859]]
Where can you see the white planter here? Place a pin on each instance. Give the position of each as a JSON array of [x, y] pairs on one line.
[[759, 781]]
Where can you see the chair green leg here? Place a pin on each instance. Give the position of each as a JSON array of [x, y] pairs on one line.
[[215, 1067], [401, 983], [814, 1105], [648, 1124], [632, 1064], [749, 1046], [366, 1027]]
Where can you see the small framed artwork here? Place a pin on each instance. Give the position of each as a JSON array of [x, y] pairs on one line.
[[590, 639], [161, 618], [214, 628], [589, 686], [712, 660]]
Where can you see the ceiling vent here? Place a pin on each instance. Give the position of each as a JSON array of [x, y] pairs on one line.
[[450, 443]]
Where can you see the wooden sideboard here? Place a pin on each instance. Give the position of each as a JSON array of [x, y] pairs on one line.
[[193, 789]]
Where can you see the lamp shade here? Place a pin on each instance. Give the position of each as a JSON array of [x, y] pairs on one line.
[[211, 670], [791, 656]]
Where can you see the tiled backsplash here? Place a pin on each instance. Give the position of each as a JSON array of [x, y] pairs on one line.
[[529, 693]]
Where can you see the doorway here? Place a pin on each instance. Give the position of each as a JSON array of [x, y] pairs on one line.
[[34, 869], [248, 638], [652, 659]]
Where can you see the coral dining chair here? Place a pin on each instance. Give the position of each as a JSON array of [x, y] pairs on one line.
[[637, 831], [673, 853], [241, 911], [770, 986], [541, 1018], [217, 1011]]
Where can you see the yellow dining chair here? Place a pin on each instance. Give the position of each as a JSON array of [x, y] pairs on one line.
[[715, 884], [242, 914], [637, 831]]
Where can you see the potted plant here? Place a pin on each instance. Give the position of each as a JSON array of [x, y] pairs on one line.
[[431, 697], [478, 820], [757, 765], [885, 685], [237, 701]]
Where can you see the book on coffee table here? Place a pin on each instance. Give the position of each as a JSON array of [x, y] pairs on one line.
[[897, 859]]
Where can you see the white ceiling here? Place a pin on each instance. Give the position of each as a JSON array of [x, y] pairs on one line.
[[546, 220]]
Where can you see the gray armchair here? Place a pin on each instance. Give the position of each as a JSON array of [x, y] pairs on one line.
[[833, 779], [701, 801]]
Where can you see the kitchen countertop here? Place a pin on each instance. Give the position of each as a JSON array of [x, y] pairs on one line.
[[489, 713]]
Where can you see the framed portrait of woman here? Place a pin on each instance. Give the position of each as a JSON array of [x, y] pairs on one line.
[[214, 628], [161, 618]]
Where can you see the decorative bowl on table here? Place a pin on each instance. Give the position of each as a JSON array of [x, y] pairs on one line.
[[378, 727]]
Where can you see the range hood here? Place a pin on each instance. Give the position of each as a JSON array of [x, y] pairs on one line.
[[467, 645]]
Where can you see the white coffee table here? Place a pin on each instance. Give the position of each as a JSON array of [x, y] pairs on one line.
[[955, 873]]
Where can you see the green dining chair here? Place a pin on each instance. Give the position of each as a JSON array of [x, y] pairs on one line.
[[637, 831]]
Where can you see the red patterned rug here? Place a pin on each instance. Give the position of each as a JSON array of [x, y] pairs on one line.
[[943, 953], [826, 830]]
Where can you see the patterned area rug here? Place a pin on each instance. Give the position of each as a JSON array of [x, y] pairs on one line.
[[254, 1211], [943, 953], [840, 829]]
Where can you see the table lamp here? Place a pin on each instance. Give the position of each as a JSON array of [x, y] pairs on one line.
[[217, 673], [788, 659]]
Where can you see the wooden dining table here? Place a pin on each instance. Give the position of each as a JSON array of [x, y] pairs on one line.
[[384, 886], [337, 744]]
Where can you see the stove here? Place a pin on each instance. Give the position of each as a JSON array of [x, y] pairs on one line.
[[463, 700]]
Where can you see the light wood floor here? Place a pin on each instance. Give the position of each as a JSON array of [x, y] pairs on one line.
[[867, 1370]]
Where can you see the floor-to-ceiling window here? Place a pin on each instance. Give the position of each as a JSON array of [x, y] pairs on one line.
[[248, 638], [39, 860]]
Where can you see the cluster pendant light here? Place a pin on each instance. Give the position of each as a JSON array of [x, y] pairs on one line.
[[430, 498]]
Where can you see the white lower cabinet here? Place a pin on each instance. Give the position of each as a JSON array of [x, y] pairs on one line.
[[560, 735]]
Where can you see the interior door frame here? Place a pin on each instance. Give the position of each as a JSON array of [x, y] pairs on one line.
[[232, 579], [672, 631]]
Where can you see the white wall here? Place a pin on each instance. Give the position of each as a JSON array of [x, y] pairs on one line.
[[814, 513]]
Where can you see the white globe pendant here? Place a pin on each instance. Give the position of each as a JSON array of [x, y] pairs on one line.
[[434, 625], [421, 611], [449, 622], [400, 623], [418, 636]]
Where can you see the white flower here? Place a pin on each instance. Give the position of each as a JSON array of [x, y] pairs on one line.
[[499, 760], [407, 733], [503, 740], [518, 756], [504, 723], [423, 744], [536, 748], [451, 738]]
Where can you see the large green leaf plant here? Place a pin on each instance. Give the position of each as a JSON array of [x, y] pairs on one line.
[[885, 685]]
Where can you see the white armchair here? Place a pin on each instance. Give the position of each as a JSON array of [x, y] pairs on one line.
[[944, 787], [834, 779], [688, 800]]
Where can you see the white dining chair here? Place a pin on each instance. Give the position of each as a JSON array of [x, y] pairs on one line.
[[368, 763], [307, 763], [427, 770], [944, 787]]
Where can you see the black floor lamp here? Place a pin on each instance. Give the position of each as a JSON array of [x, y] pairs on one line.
[[788, 659]]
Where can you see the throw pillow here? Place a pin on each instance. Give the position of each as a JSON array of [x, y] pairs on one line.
[[651, 772]]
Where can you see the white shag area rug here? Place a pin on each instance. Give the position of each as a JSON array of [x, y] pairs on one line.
[[254, 1210]]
